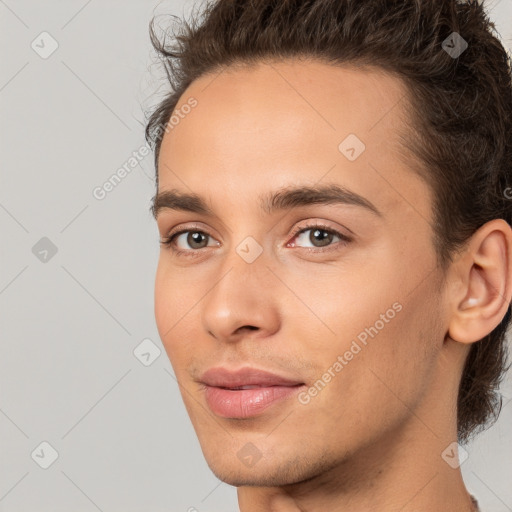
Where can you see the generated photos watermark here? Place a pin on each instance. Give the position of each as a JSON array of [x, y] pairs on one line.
[[355, 348]]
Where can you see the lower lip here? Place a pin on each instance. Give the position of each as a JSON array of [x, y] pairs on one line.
[[244, 403]]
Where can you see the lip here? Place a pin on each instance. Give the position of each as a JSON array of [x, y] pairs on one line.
[[246, 376], [244, 403]]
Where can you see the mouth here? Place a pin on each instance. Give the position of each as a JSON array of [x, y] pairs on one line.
[[241, 387], [244, 377], [246, 392], [242, 402]]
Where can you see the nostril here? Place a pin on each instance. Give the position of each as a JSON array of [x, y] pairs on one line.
[[250, 327]]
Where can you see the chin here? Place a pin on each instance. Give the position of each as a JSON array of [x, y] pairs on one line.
[[266, 472], [251, 477]]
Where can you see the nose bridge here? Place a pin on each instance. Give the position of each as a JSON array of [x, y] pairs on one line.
[[248, 250], [244, 270]]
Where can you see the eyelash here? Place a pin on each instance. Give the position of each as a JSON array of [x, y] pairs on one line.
[[170, 240]]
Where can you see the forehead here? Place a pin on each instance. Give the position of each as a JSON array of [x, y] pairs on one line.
[[291, 121]]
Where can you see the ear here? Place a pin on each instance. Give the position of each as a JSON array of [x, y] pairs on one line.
[[482, 291]]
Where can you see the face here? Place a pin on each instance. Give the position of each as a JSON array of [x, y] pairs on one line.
[[342, 297]]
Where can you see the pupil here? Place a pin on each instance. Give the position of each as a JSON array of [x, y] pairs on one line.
[[196, 237], [317, 233]]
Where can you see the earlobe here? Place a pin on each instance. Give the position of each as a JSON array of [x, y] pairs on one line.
[[485, 272]]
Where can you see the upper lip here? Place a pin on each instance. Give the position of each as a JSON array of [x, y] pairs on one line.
[[222, 377]]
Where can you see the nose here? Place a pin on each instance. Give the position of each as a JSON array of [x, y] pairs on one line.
[[243, 302]]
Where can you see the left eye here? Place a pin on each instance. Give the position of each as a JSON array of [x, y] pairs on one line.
[[320, 235]]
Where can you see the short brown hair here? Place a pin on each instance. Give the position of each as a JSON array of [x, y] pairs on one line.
[[460, 110]]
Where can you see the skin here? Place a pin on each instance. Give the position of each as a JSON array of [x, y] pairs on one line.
[[372, 439]]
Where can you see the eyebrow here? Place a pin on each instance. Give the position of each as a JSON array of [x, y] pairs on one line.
[[282, 199]]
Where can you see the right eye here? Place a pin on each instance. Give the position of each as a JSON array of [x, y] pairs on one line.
[[194, 238]]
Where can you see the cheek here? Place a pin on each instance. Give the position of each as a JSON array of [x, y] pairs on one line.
[[348, 300], [378, 319], [163, 300], [370, 298], [173, 307], [176, 291], [394, 369], [379, 383]]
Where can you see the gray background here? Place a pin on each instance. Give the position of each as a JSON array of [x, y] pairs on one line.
[[70, 322]]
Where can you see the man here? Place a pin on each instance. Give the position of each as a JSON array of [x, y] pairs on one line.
[[344, 168]]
